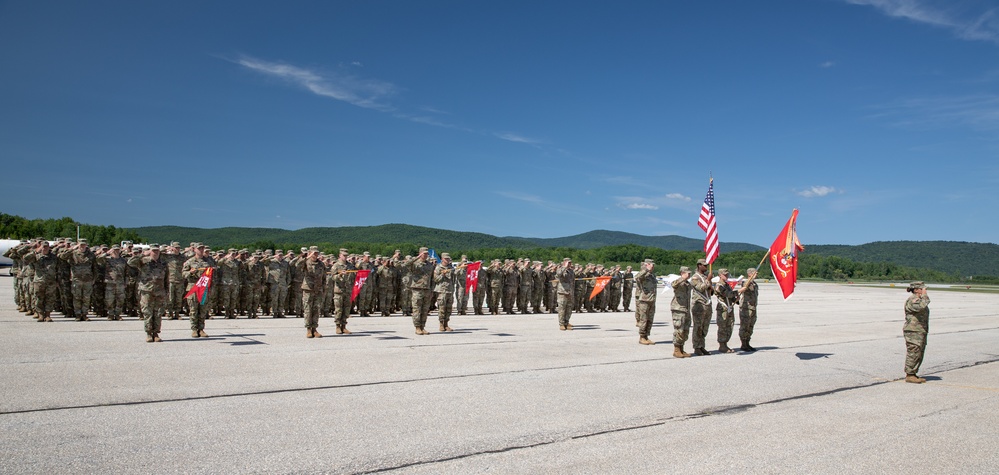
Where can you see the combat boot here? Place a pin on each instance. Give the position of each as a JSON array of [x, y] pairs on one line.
[[723, 348], [202, 333], [561, 327], [339, 330], [568, 326], [746, 347], [156, 338], [48, 318], [443, 328], [149, 337], [344, 330], [679, 353], [701, 352], [911, 378], [645, 341], [195, 334], [315, 333], [448, 329], [309, 333]]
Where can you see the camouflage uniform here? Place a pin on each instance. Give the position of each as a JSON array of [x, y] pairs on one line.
[[365, 298], [175, 283], [724, 310], [313, 273], [627, 288], [496, 278], [197, 312], [566, 277], [511, 283], [747, 313], [680, 309], [917, 325], [700, 310], [115, 269], [44, 265], [152, 290], [387, 276], [343, 286], [537, 287], [277, 269], [421, 276], [295, 289], [255, 275], [230, 270], [645, 304], [460, 282], [82, 265], [526, 287], [444, 286]]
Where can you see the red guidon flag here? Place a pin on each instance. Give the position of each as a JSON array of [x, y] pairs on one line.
[[784, 256], [472, 276], [600, 284], [359, 279], [200, 289]]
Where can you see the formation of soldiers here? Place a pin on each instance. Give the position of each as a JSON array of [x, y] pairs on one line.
[[150, 282]]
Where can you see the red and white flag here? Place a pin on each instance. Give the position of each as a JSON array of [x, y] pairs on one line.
[[200, 289], [707, 223], [472, 276], [359, 279], [784, 256]]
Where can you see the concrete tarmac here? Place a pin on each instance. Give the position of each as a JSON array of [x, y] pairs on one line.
[[508, 394]]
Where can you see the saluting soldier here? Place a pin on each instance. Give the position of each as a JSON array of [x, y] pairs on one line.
[[421, 277], [444, 286], [917, 325], [313, 273], [680, 310], [44, 265], [175, 280], [115, 269], [566, 277], [627, 288], [645, 305], [700, 306], [749, 293], [82, 266], [193, 269], [725, 310], [152, 287], [343, 286]]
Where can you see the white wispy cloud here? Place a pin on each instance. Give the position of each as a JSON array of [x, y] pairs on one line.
[[967, 19], [818, 191], [511, 137], [640, 206], [980, 112], [827, 64], [678, 197], [361, 92]]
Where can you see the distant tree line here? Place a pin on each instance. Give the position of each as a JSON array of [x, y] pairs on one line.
[[16, 227]]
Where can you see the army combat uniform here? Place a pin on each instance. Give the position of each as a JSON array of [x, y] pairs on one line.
[[645, 306], [917, 325]]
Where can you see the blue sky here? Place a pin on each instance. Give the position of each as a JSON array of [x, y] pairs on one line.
[[878, 119]]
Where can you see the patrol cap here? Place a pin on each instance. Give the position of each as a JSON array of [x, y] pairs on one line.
[[423, 249], [154, 247], [702, 262], [649, 261], [445, 255], [917, 285], [199, 245], [566, 259], [305, 249], [232, 249], [463, 257], [115, 247], [398, 251], [343, 250], [751, 270], [82, 241], [367, 254], [175, 244], [313, 248], [684, 269], [723, 271]]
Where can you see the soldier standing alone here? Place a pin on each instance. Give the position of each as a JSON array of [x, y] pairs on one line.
[[917, 325], [645, 306]]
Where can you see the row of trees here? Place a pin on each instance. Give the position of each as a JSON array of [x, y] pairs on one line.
[[16, 227]]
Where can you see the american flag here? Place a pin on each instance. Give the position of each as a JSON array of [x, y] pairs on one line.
[[707, 223]]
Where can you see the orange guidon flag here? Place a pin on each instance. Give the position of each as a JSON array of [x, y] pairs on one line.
[[601, 283], [784, 256]]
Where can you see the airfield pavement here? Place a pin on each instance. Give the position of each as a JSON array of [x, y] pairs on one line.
[[508, 394]]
